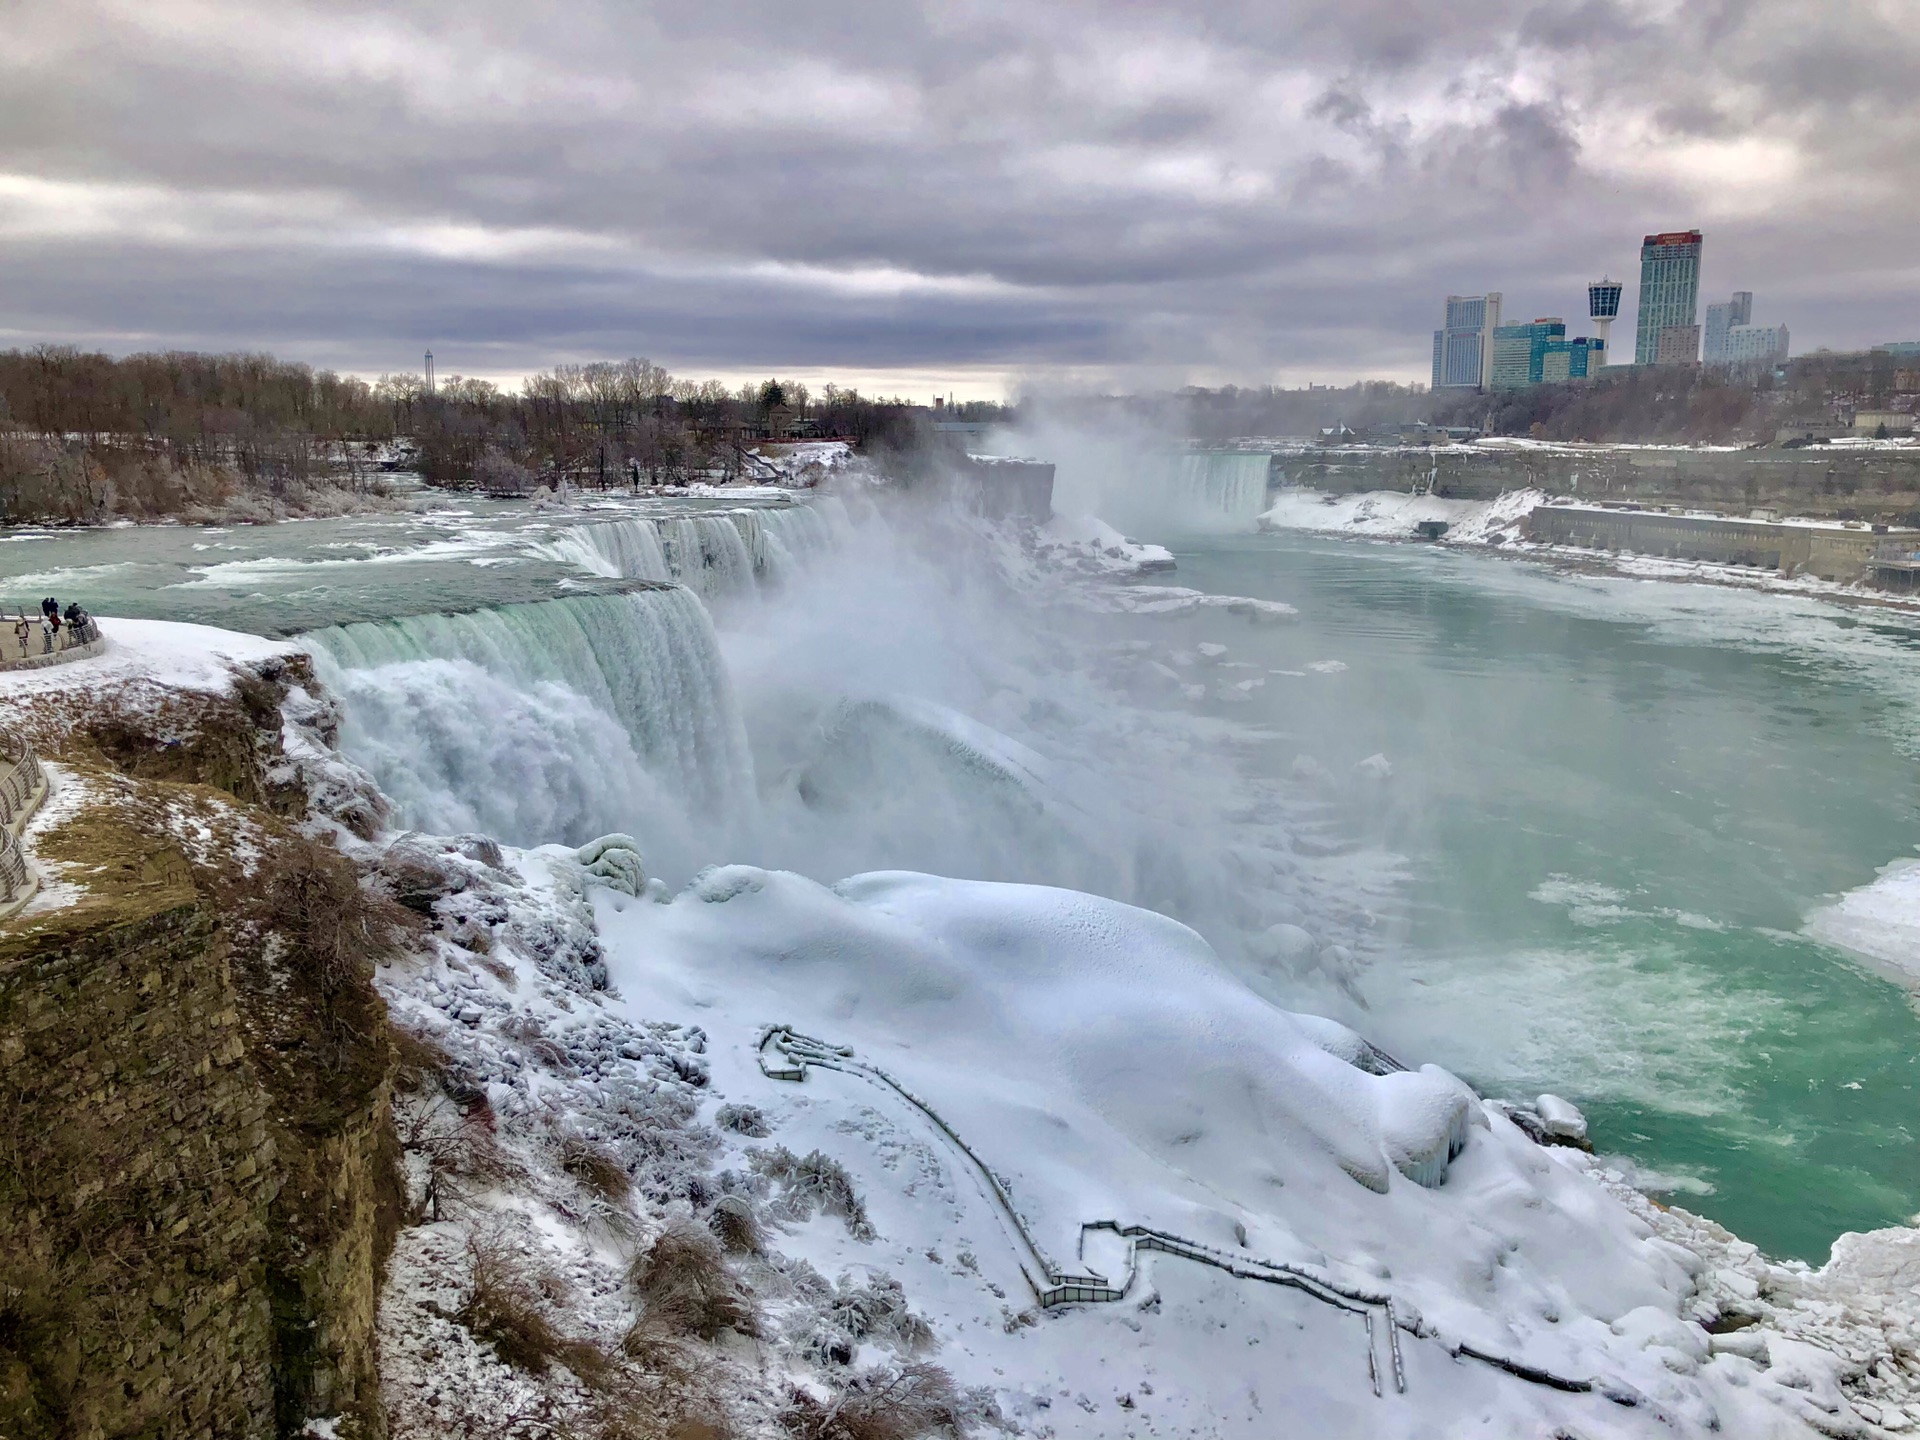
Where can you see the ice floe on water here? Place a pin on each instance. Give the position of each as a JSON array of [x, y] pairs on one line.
[[1880, 921]]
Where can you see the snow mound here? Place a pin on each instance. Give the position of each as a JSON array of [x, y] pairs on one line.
[[1087, 544], [1107, 1069]]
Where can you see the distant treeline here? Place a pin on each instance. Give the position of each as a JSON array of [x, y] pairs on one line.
[[1630, 405], [1674, 405], [86, 436]]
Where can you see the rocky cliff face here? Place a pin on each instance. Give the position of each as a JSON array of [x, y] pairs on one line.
[[198, 1178]]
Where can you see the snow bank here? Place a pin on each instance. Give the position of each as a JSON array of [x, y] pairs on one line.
[[803, 462], [1392, 514], [1104, 1067], [1087, 544]]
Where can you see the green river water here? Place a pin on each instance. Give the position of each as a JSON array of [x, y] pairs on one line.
[[1619, 799]]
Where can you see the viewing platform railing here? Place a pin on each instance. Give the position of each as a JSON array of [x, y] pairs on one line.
[[71, 642], [23, 784]]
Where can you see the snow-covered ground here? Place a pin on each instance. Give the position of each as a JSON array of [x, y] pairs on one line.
[[177, 656], [1392, 514], [804, 463]]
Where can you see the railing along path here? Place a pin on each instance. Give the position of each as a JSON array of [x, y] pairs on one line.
[[73, 641], [786, 1054], [23, 784]]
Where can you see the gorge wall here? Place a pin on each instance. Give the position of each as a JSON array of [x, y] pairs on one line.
[[1882, 486], [197, 1168]]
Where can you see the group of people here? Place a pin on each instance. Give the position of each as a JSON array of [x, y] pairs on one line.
[[74, 621]]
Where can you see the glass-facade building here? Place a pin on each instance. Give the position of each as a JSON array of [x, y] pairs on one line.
[[1540, 353], [1463, 347], [1669, 293], [1574, 359], [1519, 352]]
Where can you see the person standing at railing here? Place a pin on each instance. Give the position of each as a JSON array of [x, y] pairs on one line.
[[46, 634], [23, 632]]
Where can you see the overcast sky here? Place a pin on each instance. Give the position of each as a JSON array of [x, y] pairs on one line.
[[938, 196]]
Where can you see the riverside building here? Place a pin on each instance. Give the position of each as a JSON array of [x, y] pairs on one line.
[[1669, 299], [1463, 347]]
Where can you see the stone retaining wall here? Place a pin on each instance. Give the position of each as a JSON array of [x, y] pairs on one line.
[[1831, 554]]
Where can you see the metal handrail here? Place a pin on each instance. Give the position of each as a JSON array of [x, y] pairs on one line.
[[74, 636], [786, 1054], [23, 780], [16, 878], [22, 786]]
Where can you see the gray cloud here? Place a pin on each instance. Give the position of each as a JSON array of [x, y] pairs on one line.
[[1253, 190]]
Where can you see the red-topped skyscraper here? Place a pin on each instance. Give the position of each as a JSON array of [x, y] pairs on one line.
[[1668, 329]]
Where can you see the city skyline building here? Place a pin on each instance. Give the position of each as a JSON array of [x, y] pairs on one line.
[[1722, 318], [1574, 359], [1519, 352], [1463, 346], [1669, 299], [1679, 345], [1603, 308], [1755, 345], [1733, 339], [1539, 352]]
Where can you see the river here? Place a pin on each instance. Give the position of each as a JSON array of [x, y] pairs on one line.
[[1619, 800], [1566, 830]]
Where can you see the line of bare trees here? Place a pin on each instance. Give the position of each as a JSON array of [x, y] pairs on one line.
[[610, 422], [87, 436]]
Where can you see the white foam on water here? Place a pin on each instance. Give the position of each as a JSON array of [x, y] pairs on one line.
[[1636, 1025]]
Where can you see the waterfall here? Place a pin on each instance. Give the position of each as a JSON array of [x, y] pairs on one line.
[[555, 721], [1228, 483], [794, 538], [618, 548], [719, 554], [1149, 493]]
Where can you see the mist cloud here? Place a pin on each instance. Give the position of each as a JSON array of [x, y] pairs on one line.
[[1246, 190]]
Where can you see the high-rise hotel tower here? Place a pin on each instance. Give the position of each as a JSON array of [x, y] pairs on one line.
[[1669, 327], [1463, 349]]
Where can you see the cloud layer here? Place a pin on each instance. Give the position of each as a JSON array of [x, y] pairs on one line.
[[1249, 189]]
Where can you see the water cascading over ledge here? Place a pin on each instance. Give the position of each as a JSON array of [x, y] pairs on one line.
[[548, 722], [718, 554]]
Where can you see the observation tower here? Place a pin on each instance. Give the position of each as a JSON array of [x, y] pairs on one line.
[[1603, 308]]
